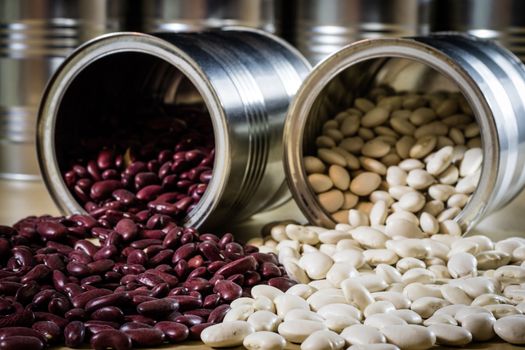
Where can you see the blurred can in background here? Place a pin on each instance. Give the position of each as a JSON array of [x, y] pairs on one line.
[[321, 27], [500, 20], [192, 15], [35, 36]]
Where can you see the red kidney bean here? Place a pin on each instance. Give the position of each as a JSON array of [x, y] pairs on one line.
[[195, 331], [145, 337], [143, 243], [9, 288], [22, 332], [60, 248], [171, 280], [187, 302], [160, 290], [238, 266], [46, 316], [75, 314], [81, 300], [195, 262], [251, 278], [108, 313], [91, 280], [139, 318], [202, 313], [106, 252], [50, 230], [265, 258], [103, 189], [124, 196], [114, 339], [54, 262], [270, 270], [134, 325], [217, 315], [59, 306], [188, 320], [210, 250], [184, 252], [48, 330], [74, 334], [21, 342], [157, 308], [115, 299], [198, 272], [281, 283], [26, 292], [127, 229], [198, 284], [72, 289], [137, 256], [181, 268], [94, 328], [86, 246], [211, 301], [23, 256], [173, 331], [228, 290], [216, 265]]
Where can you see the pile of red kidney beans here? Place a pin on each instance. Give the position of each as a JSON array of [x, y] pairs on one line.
[[127, 275]]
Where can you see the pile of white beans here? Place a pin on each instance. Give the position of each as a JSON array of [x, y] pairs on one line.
[[413, 152], [361, 288]]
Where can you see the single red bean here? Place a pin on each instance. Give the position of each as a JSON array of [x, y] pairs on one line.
[[101, 266], [145, 337], [189, 320], [195, 331], [187, 302], [22, 332], [86, 246], [184, 252], [228, 290], [127, 229], [81, 300], [168, 278], [50, 230], [238, 266], [108, 313], [149, 193], [174, 332], [202, 313], [149, 279], [211, 301], [75, 314], [225, 239], [282, 283], [134, 325], [103, 189], [157, 308], [181, 268], [160, 290], [46, 316], [72, 289], [198, 272], [210, 250], [114, 339], [54, 262], [216, 265], [199, 284], [80, 257], [137, 256], [105, 159], [265, 257], [97, 328], [106, 252], [269, 270], [251, 278], [74, 334], [217, 315], [115, 299], [59, 306], [133, 269], [237, 279], [48, 330], [27, 292], [140, 318], [59, 280], [21, 342], [143, 243], [124, 196], [9, 287]]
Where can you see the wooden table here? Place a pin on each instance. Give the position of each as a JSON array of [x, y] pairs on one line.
[[19, 199]]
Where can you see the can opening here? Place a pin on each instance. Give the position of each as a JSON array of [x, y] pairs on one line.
[[127, 108], [427, 105]]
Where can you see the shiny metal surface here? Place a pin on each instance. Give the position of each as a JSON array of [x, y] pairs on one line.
[[501, 20], [489, 76], [322, 27], [35, 36], [191, 15], [245, 79]]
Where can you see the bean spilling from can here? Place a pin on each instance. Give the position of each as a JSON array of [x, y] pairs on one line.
[[73, 281], [154, 165], [406, 154]]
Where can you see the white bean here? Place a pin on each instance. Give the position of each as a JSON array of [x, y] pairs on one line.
[[226, 334]]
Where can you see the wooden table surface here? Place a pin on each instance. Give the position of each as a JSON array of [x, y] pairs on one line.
[[22, 198]]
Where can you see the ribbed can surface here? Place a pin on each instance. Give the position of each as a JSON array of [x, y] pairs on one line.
[[191, 15], [491, 79], [322, 27], [244, 78], [500, 20], [35, 36]]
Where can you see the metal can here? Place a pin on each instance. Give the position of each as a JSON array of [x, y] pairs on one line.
[[500, 20], [245, 79], [321, 27], [192, 15], [36, 36], [491, 79]]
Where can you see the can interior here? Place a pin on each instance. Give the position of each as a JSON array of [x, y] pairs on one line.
[[113, 91], [404, 75]]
